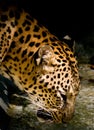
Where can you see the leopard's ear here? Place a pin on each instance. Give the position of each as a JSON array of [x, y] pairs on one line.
[[45, 58], [44, 55], [70, 42]]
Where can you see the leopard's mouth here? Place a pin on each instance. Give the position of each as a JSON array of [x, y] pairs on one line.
[[44, 116]]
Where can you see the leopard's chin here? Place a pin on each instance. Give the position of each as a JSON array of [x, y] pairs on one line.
[[44, 116]]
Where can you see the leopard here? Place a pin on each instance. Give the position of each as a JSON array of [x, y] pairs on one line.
[[39, 64]]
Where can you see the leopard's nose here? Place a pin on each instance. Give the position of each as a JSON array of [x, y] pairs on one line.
[[44, 115]]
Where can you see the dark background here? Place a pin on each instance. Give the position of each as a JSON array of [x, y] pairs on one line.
[[62, 17]]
